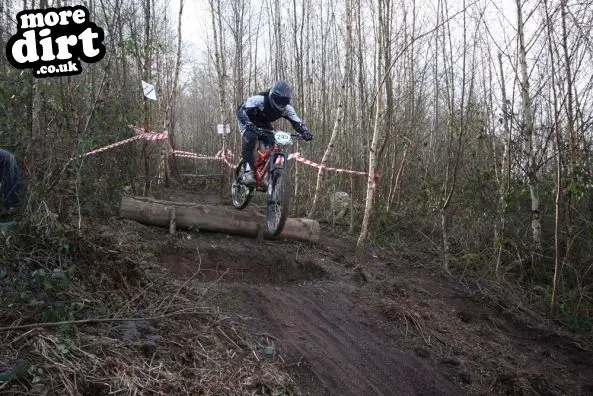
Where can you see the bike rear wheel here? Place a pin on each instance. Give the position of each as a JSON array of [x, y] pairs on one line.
[[278, 203], [240, 194]]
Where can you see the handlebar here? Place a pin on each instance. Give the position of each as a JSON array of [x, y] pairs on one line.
[[272, 132]]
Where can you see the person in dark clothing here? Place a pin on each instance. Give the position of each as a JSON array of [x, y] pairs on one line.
[[11, 182], [258, 112]]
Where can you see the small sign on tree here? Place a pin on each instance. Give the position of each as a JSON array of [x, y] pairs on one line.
[[149, 90], [223, 129]]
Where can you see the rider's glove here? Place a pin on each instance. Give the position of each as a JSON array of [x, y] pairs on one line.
[[251, 127], [305, 134]]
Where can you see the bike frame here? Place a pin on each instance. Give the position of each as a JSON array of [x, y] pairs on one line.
[[263, 165], [269, 161]]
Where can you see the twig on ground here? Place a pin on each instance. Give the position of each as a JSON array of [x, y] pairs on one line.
[[19, 337], [214, 283], [102, 320], [227, 337], [138, 295], [267, 335], [298, 364], [238, 336], [174, 296], [407, 324], [8, 335]]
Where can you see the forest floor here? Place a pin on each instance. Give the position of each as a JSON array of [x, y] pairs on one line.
[[210, 314]]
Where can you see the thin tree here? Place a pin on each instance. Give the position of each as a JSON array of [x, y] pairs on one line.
[[147, 74], [504, 179], [168, 123], [377, 138], [558, 185], [571, 132], [338, 123], [528, 132]]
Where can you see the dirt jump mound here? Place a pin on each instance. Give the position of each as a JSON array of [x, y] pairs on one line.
[[248, 264]]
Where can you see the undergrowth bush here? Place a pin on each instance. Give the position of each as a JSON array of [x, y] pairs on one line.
[[474, 218]]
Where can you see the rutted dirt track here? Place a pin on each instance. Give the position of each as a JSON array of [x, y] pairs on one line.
[[346, 353], [399, 329], [320, 324]]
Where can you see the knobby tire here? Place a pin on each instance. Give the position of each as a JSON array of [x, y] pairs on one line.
[[239, 204], [281, 189]]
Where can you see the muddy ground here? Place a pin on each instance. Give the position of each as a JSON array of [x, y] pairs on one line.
[[399, 327], [284, 318]]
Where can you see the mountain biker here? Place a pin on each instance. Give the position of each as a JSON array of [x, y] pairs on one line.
[[259, 111]]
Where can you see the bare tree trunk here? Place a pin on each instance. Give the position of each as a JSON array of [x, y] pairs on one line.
[[376, 140], [213, 218], [394, 191], [147, 69], [558, 193], [339, 113], [278, 56], [456, 125], [572, 141], [171, 102], [298, 46], [557, 202], [371, 184], [528, 130], [220, 65], [353, 189], [505, 179]]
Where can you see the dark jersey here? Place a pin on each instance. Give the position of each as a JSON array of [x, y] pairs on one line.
[[258, 111]]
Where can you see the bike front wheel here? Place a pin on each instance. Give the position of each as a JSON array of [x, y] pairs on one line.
[[240, 193], [278, 202]]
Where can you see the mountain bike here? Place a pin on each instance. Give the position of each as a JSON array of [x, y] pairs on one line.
[[271, 164]]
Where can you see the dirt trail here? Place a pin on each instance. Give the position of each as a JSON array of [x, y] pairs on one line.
[[319, 324], [347, 354], [402, 329]]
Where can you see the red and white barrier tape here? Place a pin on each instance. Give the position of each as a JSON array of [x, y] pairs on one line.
[[195, 156], [120, 143], [229, 153], [179, 152], [305, 161], [189, 154], [140, 133], [295, 156], [228, 163]]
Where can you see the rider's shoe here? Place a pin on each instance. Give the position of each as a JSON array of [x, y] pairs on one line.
[[248, 179], [263, 185]]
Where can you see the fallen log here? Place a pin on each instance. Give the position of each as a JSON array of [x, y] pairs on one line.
[[227, 220]]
